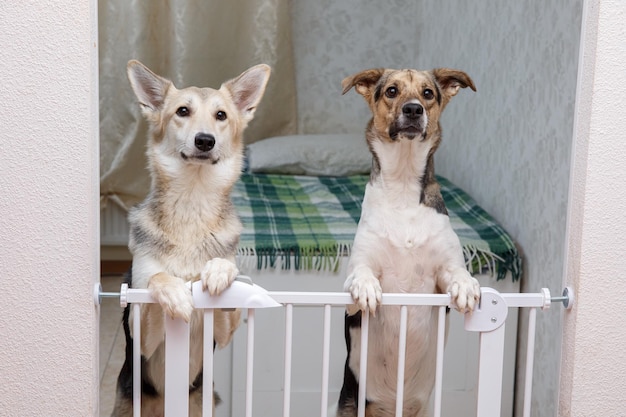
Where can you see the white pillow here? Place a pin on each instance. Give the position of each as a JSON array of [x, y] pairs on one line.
[[334, 155]]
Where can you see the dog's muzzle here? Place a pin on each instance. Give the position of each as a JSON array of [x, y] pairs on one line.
[[203, 143], [411, 122], [412, 111]]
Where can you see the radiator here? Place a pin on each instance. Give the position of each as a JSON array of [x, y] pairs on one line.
[[488, 320], [113, 226]]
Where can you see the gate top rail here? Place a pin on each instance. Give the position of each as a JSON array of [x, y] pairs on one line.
[[244, 294]]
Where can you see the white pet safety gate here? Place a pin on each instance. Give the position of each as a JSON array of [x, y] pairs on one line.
[[488, 319]]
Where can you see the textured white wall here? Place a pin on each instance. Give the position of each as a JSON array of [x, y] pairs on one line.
[[48, 208], [593, 381]]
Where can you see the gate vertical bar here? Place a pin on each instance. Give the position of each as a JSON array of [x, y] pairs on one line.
[[250, 362], [136, 360], [207, 369], [530, 358], [490, 372], [365, 320], [288, 349], [401, 361], [441, 336], [176, 367], [325, 360]]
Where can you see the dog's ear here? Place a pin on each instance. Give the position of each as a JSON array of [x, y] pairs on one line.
[[149, 88], [248, 88], [363, 82], [451, 81]]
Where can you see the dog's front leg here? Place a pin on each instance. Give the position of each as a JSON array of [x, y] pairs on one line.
[[172, 294], [462, 287], [174, 299], [218, 274], [363, 281], [365, 289]]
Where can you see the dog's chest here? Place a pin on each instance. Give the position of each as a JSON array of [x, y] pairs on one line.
[[189, 255], [183, 241], [407, 228], [405, 238]]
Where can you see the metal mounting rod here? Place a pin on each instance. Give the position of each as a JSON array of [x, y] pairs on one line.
[[105, 294], [98, 294], [567, 298]]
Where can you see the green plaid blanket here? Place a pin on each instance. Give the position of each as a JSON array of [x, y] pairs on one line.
[[311, 221]]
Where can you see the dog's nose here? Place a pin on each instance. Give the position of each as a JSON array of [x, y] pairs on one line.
[[412, 110], [204, 142]]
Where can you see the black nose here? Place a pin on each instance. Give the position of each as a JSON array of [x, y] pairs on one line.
[[204, 142], [412, 110]]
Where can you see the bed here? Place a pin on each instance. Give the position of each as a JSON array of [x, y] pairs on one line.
[[299, 200], [308, 223]]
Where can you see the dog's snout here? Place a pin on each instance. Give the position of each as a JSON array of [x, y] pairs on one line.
[[204, 142], [412, 110]]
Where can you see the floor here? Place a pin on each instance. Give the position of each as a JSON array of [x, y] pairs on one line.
[[111, 343]]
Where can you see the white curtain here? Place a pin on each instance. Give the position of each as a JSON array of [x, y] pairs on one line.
[[191, 42]]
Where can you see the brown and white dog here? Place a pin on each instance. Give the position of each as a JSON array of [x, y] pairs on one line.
[[187, 228], [404, 242]]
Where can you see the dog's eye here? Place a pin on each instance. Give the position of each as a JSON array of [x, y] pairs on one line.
[[429, 94], [182, 111], [391, 92], [221, 115]]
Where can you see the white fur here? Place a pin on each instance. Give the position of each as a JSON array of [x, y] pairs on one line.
[[402, 246], [397, 237], [218, 274]]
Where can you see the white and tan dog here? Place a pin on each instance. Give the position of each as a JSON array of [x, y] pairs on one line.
[[187, 228], [404, 242]]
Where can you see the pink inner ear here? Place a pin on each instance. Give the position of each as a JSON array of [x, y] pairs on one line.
[[149, 89], [245, 96], [248, 89]]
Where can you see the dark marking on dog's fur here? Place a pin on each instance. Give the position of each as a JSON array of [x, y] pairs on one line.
[[225, 246], [438, 93], [431, 197], [380, 83], [369, 133], [219, 247], [394, 131], [378, 92], [349, 396], [431, 191], [150, 240]]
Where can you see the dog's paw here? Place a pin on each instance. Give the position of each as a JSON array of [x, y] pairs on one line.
[[365, 290], [173, 295], [217, 275], [464, 290]]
